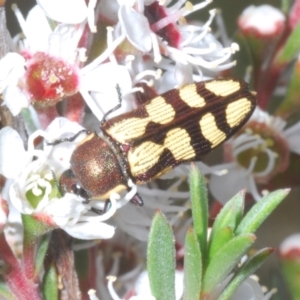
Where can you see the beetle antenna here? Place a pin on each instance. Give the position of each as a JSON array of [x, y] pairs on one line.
[[68, 139], [116, 107]]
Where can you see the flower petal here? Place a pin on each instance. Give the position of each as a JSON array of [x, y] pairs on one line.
[[102, 82], [63, 15], [15, 99], [59, 156], [90, 230], [235, 179], [138, 35], [64, 211], [13, 156], [292, 136], [37, 29], [11, 69]]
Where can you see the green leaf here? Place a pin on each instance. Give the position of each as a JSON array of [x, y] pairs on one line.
[[223, 236], [33, 229], [290, 103], [224, 261], [199, 202], [192, 267], [41, 253], [291, 47], [50, 284], [230, 215], [260, 211], [290, 267], [285, 6], [161, 259], [247, 269]]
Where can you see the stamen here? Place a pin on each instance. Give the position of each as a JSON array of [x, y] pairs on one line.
[[112, 57], [91, 15], [176, 6], [81, 55], [105, 54], [226, 66], [271, 163], [92, 295], [110, 287], [200, 36], [253, 189], [155, 47], [133, 90], [36, 191], [242, 138], [247, 145], [265, 192], [172, 18], [48, 176], [188, 40], [45, 184], [116, 263], [100, 273], [200, 51], [215, 64], [156, 74], [20, 19], [31, 182], [132, 274], [251, 167]]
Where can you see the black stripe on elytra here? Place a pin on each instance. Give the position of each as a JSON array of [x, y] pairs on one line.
[[165, 161], [216, 105]]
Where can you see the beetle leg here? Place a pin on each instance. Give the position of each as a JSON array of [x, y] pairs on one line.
[[137, 200]]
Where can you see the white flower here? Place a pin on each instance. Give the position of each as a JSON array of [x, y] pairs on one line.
[[256, 154], [248, 290], [97, 81], [80, 11], [289, 245], [30, 187], [141, 289], [11, 69], [264, 19]]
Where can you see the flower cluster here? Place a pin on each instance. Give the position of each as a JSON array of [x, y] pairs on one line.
[[58, 61], [265, 154]]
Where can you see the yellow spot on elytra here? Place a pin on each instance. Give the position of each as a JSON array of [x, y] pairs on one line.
[[210, 130], [223, 87], [190, 96], [158, 111], [146, 155], [236, 111]]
